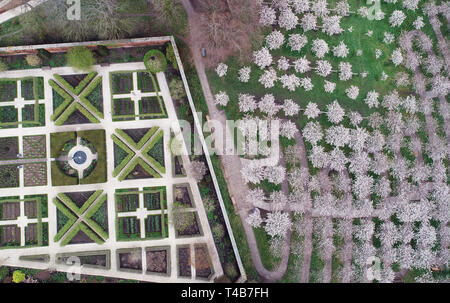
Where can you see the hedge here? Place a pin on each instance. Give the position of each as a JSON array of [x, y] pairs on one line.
[[155, 163], [127, 158], [83, 97], [144, 165], [67, 99], [156, 65], [72, 108], [71, 219]]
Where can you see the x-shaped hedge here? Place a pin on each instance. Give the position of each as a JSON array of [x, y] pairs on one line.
[[138, 153], [71, 94], [80, 219]]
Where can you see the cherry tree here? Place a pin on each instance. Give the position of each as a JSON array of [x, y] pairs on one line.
[[388, 38], [338, 136], [221, 98], [391, 101], [338, 160], [301, 65], [275, 40], [255, 196], [319, 48], [312, 132], [352, 92], [433, 64], [323, 68], [342, 8], [288, 129], [277, 224], [409, 104], [397, 57], [268, 78], [312, 111], [306, 84], [411, 4], [291, 82], [320, 8], [300, 6], [375, 120], [363, 11], [402, 79], [254, 218], [267, 16], [359, 137], [287, 19], [380, 164], [376, 142], [335, 112], [418, 23], [383, 187], [355, 118], [331, 25], [297, 41], [345, 71], [290, 108], [252, 172], [274, 174], [397, 18], [244, 74], [262, 58], [318, 157], [308, 22], [341, 50], [283, 64], [247, 103], [359, 163], [197, 169], [362, 186], [328, 86], [268, 106], [221, 69]]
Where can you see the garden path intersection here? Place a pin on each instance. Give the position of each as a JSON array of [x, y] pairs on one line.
[[110, 242]]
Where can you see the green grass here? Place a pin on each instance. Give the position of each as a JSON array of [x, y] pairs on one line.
[[269, 261]]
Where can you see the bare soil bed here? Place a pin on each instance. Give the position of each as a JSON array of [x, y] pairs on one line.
[[10, 210], [184, 264], [9, 148], [157, 261], [131, 260]]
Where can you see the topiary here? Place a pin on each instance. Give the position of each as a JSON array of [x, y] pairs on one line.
[[170, 55], [102, 50], [3, 66], [155, 61], [33, 60], [80, 57], [176, 88]]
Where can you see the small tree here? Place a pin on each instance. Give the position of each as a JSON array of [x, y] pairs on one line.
[[18, 276], [33, 60], [176, 88], [80, 57], [155, 61]]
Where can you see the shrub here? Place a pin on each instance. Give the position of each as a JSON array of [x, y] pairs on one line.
[[182, 219], [80, 57], [44, 54], [170, 55], [33, 60], [102, 50], [18, 276], [176, 88], [155, 61], [4, 271], [3, 66]]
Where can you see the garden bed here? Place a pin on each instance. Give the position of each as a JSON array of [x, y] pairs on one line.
[[9, 176], [130, 259], [158, 260], [9, 148], [184, 261]]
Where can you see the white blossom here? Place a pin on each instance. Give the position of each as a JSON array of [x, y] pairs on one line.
[[319, 48], [391, 101], [312, 111], [352, 92], [300, 6], [244, 74], [335, 112], [411, 4], [341, 50], [254, 219], [409, 104], [288, 129], [323, 68], [338, 136], [221, 69], [221, 98], [320, 8], [331, 25], [397, 57], [345, 71], [291, 82], [418, 23], [297, 41], [308, 22], [268, 106], [388, 38], [275, 40], [338, 160], [378, 53], [287, 19], [384, 76], [268, 78], [267, 16], [247, 103], [290, 108], [262, 58], [355, 118], [318, 157], [342, 8], [306, 84], [329, 86], [372, 99], [301, 65], [277, 224], [397, 18], [283, 64], [312, 132]]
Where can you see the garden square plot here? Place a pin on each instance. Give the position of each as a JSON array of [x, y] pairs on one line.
[[92, 177], [22, 102]]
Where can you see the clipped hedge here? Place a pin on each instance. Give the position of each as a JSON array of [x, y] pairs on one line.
[[144, 165], [86, 92], [71, 219], [127, 158], [67, 99]]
